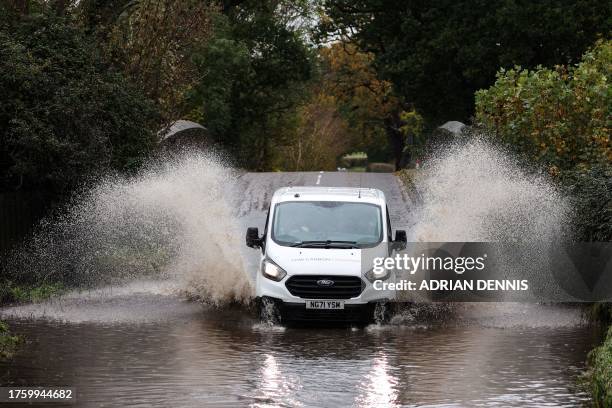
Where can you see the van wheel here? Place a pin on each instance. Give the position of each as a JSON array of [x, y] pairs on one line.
[[382, 313], [268, 311]]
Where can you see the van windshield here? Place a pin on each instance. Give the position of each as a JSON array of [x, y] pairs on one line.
[[327, 224]]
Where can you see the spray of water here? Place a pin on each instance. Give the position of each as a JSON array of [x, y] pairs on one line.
[[473, 191], [172, 222]]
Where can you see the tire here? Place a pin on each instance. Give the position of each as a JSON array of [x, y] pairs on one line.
[[381, 313], [268, 311]]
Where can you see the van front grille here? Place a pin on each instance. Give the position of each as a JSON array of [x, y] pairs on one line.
[[315, 287]]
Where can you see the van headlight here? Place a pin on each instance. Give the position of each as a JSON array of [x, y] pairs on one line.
[[272, 271], [373, 276]]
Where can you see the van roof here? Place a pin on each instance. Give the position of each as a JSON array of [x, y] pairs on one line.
[[349, 194]]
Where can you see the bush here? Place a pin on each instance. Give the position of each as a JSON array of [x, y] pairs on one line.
[[600, 312], [321, 137], [355, 159], [381, 167], [64, 112], [409, 179], [18, 293], [601, 373], [560, 117], [592, 192], [8, 342]]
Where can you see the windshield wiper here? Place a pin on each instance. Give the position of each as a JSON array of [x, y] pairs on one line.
[[326, 244]]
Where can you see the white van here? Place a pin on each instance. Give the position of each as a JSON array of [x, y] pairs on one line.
[[311, 254]]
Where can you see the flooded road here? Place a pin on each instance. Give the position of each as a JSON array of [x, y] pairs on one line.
[[192, 357], [143, 344]]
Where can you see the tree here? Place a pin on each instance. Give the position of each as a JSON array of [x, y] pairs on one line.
[[154, 40], [560, 117], [437, 54], [321, 138], [64, 111], [366, 101], [254, 75]]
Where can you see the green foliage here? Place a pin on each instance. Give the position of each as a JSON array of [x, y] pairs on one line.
[[412, 129], [98, 17], [64, 112], [437, 54], [223, 63], [412, 123], [600, 360], [592, 192], [356, 156], [361, 98], [11, 292], [559, 116], [153, 42], [255, 71], [409, 178], [600, 312], [8, 342], [355, 159]]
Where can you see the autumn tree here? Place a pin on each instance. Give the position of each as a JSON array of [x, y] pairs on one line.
[[322, 136], [368, 102], [438, 53], [559, 116]]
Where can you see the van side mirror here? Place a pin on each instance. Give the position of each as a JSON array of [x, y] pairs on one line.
[[400, 240], [252, 238]]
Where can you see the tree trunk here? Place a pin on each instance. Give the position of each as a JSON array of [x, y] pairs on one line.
[[396, 139]]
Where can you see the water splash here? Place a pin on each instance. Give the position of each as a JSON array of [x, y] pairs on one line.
[[172, 222], [502, 315], [474, 191]]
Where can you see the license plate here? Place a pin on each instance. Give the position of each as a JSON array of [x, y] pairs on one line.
[[324, 304]]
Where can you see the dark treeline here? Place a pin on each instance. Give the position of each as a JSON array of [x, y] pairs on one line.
[[438, 53], [85, 86]]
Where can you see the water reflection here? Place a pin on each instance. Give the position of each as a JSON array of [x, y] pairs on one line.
[[276, 386], [224, 358], [378, 389]]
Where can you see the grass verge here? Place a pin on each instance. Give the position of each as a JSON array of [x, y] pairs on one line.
[[409, 178], [8, 342], [11, 292], [15, 293], [600, 361]]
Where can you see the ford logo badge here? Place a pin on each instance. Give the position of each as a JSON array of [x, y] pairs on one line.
[[325, 282]]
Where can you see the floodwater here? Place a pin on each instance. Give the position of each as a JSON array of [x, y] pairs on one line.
[[182, 354], [143, 344]]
